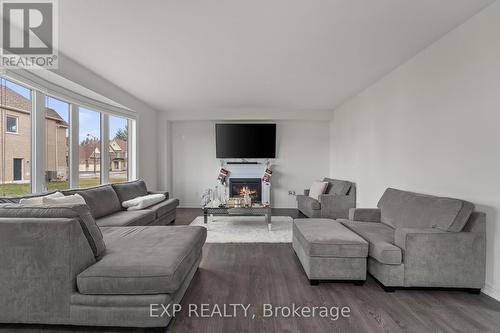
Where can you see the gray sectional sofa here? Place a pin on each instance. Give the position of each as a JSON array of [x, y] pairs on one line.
[[57, 266], [339, 197], [418, 240], [105, 204]]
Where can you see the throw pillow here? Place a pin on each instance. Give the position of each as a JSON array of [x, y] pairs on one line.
[[143, 202], [39, 200], [317, 189], [75, 199]]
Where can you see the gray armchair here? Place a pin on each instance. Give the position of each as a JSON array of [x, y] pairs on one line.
[[339, 197], [418, 240]]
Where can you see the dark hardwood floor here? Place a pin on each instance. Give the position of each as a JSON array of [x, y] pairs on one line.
[[271, 273]]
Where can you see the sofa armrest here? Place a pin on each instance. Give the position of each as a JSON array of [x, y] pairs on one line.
[[160, 192], [306, 192], [336, 206], [437, 258], [364, 214]]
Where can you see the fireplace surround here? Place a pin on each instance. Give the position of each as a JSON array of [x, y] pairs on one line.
[[238, 187]]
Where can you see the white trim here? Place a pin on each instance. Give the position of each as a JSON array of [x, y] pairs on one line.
[[132, 165], [74, 146], [34, 82], [38, 142], [491, 291], [104, 148]]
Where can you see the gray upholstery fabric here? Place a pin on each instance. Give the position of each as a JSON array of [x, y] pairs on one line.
[[80, 212], [446, 259], [125, 310], [402, 234], [143, 260], [164, 207], [330, 268], [309, 206], [102, 200], [334, 206], [336, 186], [388, 275], [328, 238], [39, 261], [127, 218], [329, 251], [402, 209], [165, 193], [364, 214], [381, 241], [130, 190]]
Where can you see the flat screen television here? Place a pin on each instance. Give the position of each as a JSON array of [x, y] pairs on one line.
[[245, 140]]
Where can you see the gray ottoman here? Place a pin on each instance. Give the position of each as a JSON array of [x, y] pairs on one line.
[[329, 251]]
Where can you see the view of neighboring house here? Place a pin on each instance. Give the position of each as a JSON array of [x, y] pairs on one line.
[[15, 140], [90, 155]]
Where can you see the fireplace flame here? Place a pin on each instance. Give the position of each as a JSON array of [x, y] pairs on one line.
[[246, 190]]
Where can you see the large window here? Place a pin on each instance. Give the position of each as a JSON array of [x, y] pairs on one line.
[[50, 142], [57, 144], [89, 169], [118, 149], [15, 138]]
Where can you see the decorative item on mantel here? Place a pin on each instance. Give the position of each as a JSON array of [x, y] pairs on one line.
[[267, 175], [223, 174]]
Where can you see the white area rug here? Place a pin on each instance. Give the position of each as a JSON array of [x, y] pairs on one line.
[[246, 229]]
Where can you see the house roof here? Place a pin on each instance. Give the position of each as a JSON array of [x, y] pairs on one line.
[[13, 101], [87, 148]]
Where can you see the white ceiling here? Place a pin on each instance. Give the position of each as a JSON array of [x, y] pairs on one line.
[[251, 56]]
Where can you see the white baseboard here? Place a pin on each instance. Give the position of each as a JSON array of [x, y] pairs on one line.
[[491, 291]]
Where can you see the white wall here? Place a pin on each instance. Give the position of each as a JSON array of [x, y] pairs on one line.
[[432, 126], [302, 151]]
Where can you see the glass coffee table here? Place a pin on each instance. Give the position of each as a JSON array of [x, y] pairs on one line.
[[239, 211]]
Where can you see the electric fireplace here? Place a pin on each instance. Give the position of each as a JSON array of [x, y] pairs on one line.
[[239, 186]]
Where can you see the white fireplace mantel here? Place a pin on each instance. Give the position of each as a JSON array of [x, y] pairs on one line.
[[251, 171]]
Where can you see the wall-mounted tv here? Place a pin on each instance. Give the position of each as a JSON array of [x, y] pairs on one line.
[[245, 140]]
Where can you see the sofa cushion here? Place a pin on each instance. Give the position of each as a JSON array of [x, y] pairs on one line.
[[143, 260], [380, 238], [143, 202], [82, 212], [317, 189], [17, 199], [402, 209], [130, 190], [335, 186], [39, 200], [328, 238], [164, 207], [127, 218], [102, 200]]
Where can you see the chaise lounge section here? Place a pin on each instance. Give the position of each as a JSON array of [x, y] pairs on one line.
[[58, 267], [418, 240]]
